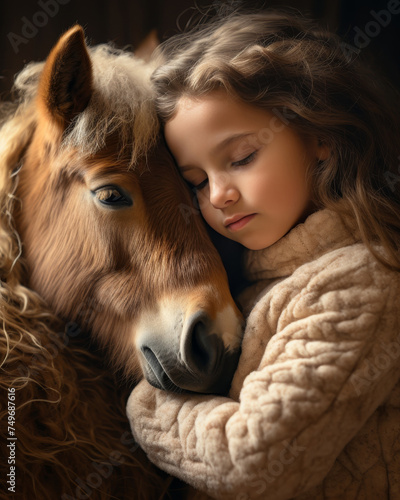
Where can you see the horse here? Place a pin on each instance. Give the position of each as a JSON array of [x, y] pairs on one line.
[[106, 245], [95, 229]]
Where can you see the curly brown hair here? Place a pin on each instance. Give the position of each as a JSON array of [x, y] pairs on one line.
[[287, 64]]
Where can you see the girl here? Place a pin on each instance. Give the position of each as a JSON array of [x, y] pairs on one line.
[[293, 154]]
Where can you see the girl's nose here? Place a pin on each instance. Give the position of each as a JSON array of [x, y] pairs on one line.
[[222, 191]]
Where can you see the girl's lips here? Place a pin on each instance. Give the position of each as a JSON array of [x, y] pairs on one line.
[[235, 226]]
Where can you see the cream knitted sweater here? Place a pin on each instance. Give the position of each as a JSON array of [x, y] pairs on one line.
[[314, 408]]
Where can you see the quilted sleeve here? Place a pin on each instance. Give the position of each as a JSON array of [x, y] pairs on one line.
[[312, 375]]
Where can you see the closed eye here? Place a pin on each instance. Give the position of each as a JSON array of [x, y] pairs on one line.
[[246, 160], [200, 186], [112, 196]]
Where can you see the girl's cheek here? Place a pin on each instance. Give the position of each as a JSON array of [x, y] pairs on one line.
[[203, 200], [264, 188], [211, 220]]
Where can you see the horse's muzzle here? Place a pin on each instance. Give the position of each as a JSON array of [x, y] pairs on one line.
[[198, 362]]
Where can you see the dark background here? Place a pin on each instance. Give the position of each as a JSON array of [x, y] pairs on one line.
[[126, 23]]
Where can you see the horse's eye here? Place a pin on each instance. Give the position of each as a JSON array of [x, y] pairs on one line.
[[112, 197]]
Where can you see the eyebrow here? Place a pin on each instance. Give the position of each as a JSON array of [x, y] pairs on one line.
[[232, 138], [223, 144]]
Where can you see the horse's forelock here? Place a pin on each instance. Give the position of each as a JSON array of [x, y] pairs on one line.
[[121, 103]]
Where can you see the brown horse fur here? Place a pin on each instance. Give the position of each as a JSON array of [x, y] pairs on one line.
[[73, 440]]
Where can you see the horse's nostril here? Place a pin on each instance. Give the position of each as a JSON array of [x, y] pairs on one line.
[[197, 361], [198, 348], [202, 348]]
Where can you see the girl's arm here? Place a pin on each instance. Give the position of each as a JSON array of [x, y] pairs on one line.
[[334, 360]]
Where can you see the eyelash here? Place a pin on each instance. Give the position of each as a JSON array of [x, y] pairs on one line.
[[112, 196], [244, 161]]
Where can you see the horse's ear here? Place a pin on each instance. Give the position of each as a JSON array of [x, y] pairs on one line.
[[66, 81], [147, 46]]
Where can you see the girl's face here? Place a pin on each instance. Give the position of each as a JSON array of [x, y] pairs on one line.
[[247, 165]]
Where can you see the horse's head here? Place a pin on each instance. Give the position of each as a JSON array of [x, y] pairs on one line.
[[110, 236]]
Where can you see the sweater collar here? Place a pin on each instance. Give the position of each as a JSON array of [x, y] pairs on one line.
[[320, 233]]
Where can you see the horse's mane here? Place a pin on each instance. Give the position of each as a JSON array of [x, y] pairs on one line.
[[67, 405]]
